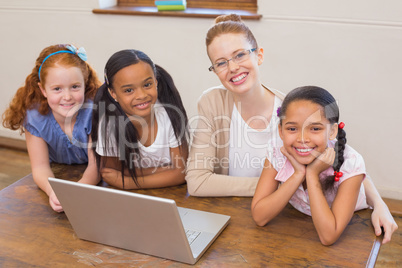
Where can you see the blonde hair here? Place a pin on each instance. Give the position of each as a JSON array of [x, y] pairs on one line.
[[232, 23]]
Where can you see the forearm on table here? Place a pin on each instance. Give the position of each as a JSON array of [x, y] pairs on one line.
[[40, 176], [323, 218], [164, 178], [206, 183], [154, 177], [373, 197], [271, 205], [330, 222], [202, 179], [39, 159], [91, 175]]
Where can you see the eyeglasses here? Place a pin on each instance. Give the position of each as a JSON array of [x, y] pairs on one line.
[[222, 65]]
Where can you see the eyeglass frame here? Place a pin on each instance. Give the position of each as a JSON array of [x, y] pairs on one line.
[[212, 68]]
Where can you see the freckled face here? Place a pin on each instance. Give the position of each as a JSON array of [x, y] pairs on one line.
[[135, 89], [239, 78], [305, 131], [64, 90]]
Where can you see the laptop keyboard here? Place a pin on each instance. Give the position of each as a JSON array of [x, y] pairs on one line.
[[191, 235]]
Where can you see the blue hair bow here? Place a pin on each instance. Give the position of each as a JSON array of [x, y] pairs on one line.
[[80, 52]]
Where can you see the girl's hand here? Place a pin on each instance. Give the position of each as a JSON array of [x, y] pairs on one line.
[[111, 175], [322, 162], [299, 168], [54, 202], [381, 217]]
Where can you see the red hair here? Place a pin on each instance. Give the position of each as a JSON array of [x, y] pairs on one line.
[[30, 96], [232, 23]]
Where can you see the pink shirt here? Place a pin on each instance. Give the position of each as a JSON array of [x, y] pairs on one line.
[[352, 166]]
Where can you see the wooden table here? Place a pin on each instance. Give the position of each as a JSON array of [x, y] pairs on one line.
[[32, 234]]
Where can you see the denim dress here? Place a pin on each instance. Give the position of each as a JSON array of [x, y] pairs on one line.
[[61, 148]]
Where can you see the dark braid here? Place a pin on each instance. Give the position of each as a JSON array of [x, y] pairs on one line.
[[340, 145], [323, 98], [339, 149]]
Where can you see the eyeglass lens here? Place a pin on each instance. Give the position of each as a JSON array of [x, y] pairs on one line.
[[238, 58]]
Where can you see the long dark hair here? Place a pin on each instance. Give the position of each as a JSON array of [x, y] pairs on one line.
[[323, 98], [111, 111]]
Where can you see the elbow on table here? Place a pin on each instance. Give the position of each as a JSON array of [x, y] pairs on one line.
[[180, 177], [327, 243], [328, 240], [118, 185], [193, 185], [192, 189], [260, 221]]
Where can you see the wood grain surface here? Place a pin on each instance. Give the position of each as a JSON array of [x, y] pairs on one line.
[[32, 234]]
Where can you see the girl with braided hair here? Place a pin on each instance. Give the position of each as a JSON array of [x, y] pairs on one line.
[[238, 124], [320, 175]]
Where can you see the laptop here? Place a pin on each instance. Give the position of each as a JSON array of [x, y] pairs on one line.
[[137, 222]]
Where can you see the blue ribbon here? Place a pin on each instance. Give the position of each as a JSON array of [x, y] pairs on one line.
[[80, 52]]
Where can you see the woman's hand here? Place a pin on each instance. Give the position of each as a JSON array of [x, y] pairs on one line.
[[54, 202], [299, 168], [322, 162]]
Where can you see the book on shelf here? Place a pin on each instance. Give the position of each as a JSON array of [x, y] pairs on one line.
[[170, 3], [171, 7]]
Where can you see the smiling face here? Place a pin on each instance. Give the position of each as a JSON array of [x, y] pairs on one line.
[[135, 89], [238, 78], [64, 89], [305, 131]]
